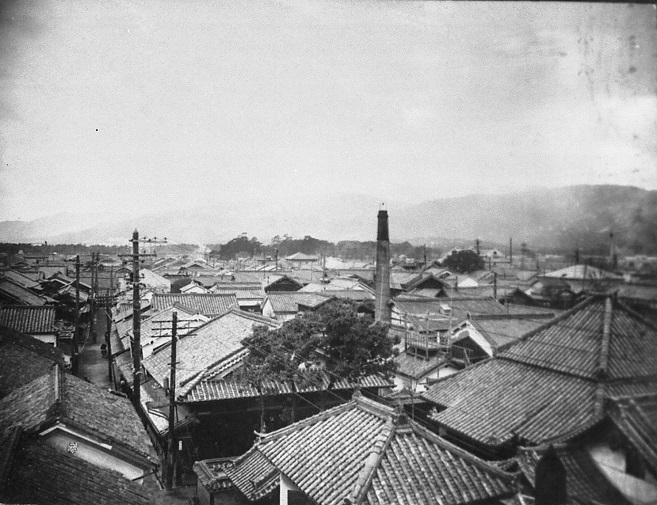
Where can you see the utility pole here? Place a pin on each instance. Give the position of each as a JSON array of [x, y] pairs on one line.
[[77, 311], [92, 304], [477, 244], [136, 321], [511, 251], [108, 334], [495, 285], [171, 447], [136, 315]]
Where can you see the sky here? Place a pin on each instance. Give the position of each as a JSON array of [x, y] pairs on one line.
[[140, 106]]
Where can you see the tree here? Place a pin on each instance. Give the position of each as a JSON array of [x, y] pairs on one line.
[[464, 261], [353, 344]]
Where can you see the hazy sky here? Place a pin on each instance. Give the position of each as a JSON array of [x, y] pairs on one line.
[[140, 105]]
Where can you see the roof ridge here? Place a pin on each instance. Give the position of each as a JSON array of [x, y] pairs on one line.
[[308, 421], [418, 429], [601, 370], [379, 447], [557, 319]]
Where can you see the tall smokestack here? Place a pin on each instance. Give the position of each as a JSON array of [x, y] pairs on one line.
[[382, 280]]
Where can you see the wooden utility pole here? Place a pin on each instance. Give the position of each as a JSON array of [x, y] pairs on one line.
[[511, 251], [171, 447], [108, 334], [92, 295], [136, 321], [495, 285], [136, 314], [77, 312]]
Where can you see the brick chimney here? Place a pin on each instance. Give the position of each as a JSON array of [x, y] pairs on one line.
[[382, 275]]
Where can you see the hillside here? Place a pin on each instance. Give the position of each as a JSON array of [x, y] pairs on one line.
[[557, 218]]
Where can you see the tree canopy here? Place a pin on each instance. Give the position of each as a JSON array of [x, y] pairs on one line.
[[352, 344], [464, 261]]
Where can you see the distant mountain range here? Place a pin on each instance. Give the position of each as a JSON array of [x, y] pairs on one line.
[[557, 218]]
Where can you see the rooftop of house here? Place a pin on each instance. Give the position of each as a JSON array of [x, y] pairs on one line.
[[579, 272], [636, 418], [417, 366], [19, 278], [61, 397], [584, 481], [206, 347], [503, 332], [299, 256], [29, 319], [293, 301], [40, 473], [23, 359], [232, 388], [367, 453], [206, 303], [552, 383], [17, 293]]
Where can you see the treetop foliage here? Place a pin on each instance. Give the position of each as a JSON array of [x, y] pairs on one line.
[[351, 344], [464, 261]]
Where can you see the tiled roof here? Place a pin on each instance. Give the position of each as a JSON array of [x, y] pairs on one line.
[[369, 454], [299, 256], [552, 383], [206, 347], [417, 366], [206, 304], [636, 418], [289, 301], [211, 473], [245, 293], [23, 359], [19, 278], [502, 332], [43, 474], [584, 481], [77, 403], [495, 400], [253, 474], [19, 294], [577, 343], [228, 389], [476, 306], [581, 272], [28, 318]]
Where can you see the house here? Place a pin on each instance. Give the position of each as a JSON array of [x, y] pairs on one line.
[[38, 321], [23, 359], [287, 304], [362, 452], [585, 278], [493, 254], [613, 462], [551, 385], [281, 282], [90, 436], [210, 352], [487, 335], [300, 260], [416, 371], [15, 294], [208, 304], [250, 297], [156, 329], [210, 349], [36, 472], [193, 287]]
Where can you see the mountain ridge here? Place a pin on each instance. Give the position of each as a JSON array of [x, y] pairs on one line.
[[565, 217]]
